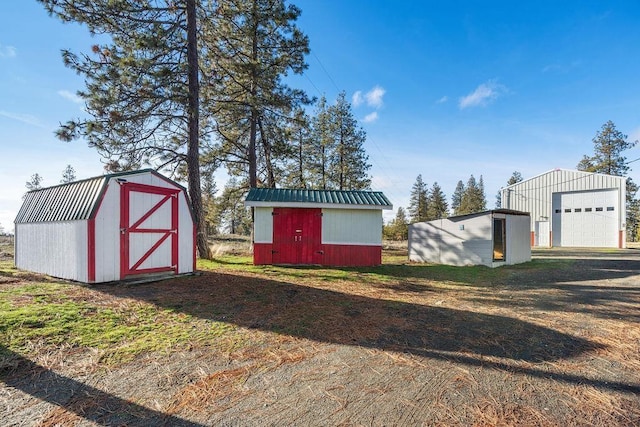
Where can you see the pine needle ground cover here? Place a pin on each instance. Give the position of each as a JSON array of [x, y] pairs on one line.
[[552, 342]]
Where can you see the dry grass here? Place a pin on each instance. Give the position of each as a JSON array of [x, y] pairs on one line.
[[547, 343]]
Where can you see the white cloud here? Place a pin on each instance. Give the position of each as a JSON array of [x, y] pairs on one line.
[[374, 97], [356, 99], [442, 100], [483, 95], [24, 118], [7, 51], [70, 96], [371, 117]]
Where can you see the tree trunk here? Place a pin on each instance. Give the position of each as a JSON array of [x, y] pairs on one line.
[[266, 146], [193, 148], [253, 166], [301, 182]]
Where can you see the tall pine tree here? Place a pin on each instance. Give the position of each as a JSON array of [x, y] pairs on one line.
[[437, 206], [473, 199], [456, 198], [418, 201], [142, 87], [256, 43], [609, 146], [349, 162]]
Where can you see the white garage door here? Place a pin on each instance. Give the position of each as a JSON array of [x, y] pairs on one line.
[[586, 219]]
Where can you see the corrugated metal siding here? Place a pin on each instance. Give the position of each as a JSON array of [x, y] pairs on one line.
[[352, 227], [263, 225], [58, 249], [534, 195], [283, 195], [68, 202]]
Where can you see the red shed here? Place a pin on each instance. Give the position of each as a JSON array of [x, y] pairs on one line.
[[323, 227]]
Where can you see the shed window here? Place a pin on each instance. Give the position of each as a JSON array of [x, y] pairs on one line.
[[577, 210], [567, 211], [609, 208], [588, 209], [598, 209], [558, 211]]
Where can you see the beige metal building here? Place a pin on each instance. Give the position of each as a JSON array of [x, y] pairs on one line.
[[572, 208]]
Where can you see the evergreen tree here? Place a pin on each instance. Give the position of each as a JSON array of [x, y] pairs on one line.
[[514, 179], [234, 217], [299, 162], [35, 183], [322, 146], [418, 201], [456, 198], [481, 196], [256, 44], [68, 175], [209, 206], [437, 206], [473, 199], [142, 87], [398, 228], [349, 163], [609, 145]]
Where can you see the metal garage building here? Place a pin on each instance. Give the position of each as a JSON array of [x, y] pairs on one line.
[[572, 208], [108, 228], [492, 238], [322, 227]]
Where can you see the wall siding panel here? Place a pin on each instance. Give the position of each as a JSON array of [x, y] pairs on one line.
[[107, 227], [263, 225], [58, 249], [352, 227]]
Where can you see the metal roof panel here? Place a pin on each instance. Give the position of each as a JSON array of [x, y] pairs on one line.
[[338, 197]]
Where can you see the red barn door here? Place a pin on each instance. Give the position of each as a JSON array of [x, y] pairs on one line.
[[148, 229], [297, 236]]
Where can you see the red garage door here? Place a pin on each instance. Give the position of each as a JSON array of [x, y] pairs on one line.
[[148, 229], [297, 236]]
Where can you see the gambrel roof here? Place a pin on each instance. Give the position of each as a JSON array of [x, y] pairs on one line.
[[74, 201]]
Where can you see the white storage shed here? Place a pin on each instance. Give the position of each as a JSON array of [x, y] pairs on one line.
[[109, 228], [572, 208], [492, 238]]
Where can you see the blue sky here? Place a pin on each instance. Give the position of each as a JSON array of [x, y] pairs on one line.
[[443, 89]]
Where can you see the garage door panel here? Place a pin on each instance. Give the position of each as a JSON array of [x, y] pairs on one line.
[[585, 219]]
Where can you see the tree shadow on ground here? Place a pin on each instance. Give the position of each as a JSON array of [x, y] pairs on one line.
[[585, 287], [87, 402], [341, 318]]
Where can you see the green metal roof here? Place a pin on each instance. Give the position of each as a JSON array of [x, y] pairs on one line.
[[281, 196], [69, 202]]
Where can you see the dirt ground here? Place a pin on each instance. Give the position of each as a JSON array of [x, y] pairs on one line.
[[529, 346]]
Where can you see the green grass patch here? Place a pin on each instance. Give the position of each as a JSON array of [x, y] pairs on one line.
[[393, 269], [51, 315]]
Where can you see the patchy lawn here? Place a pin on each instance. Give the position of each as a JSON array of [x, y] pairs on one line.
[[552, 342]]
